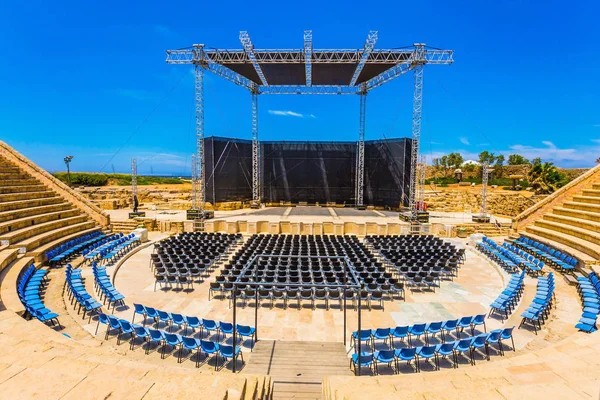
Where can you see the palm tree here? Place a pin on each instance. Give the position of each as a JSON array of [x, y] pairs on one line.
[[598, 160], [545, 178]]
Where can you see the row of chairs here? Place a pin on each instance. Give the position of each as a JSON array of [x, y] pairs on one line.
[[29, 286], [554, 257], [78, 295], [105, 289], [589, 291], [508, 300], [529, 263], [94, 252], [445, 350], [539, 309], [416, 331], [68, 250], [121, 247], [208, 325], [163, 339]]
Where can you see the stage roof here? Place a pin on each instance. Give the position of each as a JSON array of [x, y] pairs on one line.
[[291, 71]]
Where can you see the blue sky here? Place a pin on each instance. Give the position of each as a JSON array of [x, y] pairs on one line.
[[80, 78]]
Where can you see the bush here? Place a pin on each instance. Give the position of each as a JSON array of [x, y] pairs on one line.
[[83, 178]]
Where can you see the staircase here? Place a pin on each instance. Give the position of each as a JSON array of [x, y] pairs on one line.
[[569, 219], [125, 227], [36, 213]]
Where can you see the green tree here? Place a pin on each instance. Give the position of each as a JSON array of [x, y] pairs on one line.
[[517, 159], [544, 178], [498, 166], [536, 160], [486, 156], [469, 167], [441, 165], [455, 160]]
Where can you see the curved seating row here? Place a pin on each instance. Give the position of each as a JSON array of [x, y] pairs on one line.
[[67, 251], [105, 289], [589, 291], [556, 258], [539, 309], [93, 253], [29, 285], [119, 248], [446, 350], [171, 319], [508, 300], [78, 295], [509, 257], [164, 339], [410, 332]]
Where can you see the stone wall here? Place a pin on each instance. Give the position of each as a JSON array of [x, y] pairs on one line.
[[499, 202], [507, 170]]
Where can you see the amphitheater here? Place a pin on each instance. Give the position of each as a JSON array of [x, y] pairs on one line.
[[84, 322]]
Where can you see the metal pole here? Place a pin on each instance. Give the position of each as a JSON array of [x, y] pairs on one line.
[[360, 160], [418, 63], [255, 308], [133, 181], [358, 333], [345, 285], [255, 151], [199, 85], [484, 184], [234, 323], [194, 183]]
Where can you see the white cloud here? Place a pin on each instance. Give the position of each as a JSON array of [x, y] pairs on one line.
[[287, 113], [464, 140]]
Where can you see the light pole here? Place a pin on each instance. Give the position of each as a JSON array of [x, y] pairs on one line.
[[67, 162]]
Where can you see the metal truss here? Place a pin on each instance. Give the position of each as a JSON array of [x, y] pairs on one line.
[[133, 180], [315, 89], [255, 150], [369, 45], [308, 56], [249, 49], [388, 75], [421, 188], [416, 129], [484, 184], [200, 162], [360, 158], [194, 183]]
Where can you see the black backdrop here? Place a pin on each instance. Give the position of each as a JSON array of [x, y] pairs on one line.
[[308, 171]]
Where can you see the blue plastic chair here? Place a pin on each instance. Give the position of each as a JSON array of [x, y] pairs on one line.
[[465, 322], [139, 309], [179, 320], [102, 319], [227, 352], [366, 360], [193, 322], [247, 331], [366, 335], [385, 357], [479, 342], [209, 348], [155, 336], [139, 332], [174, 341], [462, 346], [191, 344], [400, 332], [125, 328], [426, 353], [478, 320], [408, 354], [210, 326], [445, 350], [433, 328], [494, 338], [417, 330], [381, 334], [113, 323], [226, 328]]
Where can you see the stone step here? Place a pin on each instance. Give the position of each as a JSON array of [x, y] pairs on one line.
[[587, 199], [581, 233], [596, 186], [18, 213], [582, 206], [577, 222], [591, 192], [591, 249], [26, 196], [14, 237], [8, 287], [38, 240], [588, 215], [13, 175], [25, 222], [17, 205], [22, 189], [9, 169], [7, 256], [548, 237], [39, 253], [18, 182]]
